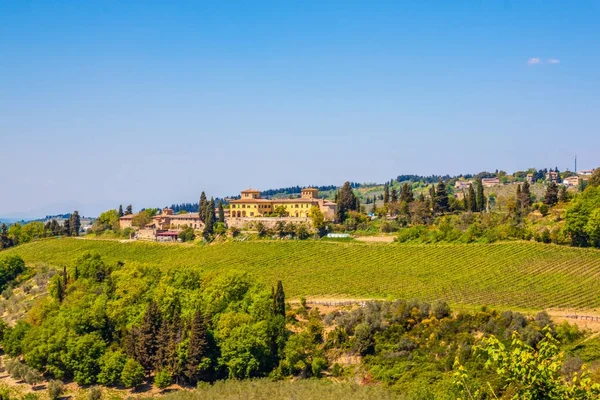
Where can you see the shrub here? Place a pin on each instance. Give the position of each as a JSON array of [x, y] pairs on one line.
[[440, 309], [55, 389], [318, 364], [162, 379], [133, 374], [95, 393]]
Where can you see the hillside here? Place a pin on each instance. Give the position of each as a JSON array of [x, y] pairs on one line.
[[515, 274]]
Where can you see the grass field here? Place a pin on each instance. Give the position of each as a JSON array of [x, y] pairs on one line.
[[515, 274]]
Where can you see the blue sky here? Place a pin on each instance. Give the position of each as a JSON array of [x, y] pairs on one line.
[[150, 102]]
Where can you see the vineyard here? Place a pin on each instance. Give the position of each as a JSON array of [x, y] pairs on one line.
[[516, 274]]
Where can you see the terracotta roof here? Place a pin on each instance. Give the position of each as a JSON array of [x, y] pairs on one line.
[[298, 200], [178, 216], [250, 190], [129, 216]]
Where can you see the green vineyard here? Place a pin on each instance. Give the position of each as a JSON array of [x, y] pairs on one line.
[[515, 274]]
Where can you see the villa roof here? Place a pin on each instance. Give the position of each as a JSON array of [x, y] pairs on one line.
[[250, 190], [296, 200], [128, 216], [178, 216]]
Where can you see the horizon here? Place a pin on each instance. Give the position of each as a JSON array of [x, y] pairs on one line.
[[109, 103]]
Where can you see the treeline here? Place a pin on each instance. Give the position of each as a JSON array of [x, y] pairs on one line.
[[294, 190], [16, 233]]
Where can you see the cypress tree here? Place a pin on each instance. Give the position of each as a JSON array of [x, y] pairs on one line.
[[386, 193], [480, 196], [551, 196], [422, 197], [197, 347], [221, 212], [279, 300], [5, 242], [64, 276], [441, 203], [209, 220], [432, 196], [406, 193], [563, 196], [75, 223], [526, 195], [67, 227], [472, 203], [394, 196], [129, 210], [120, 210], [519, 197], [149, 337], [202, 207], [346, 202]]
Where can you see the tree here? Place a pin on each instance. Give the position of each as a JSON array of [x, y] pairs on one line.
[[129, 210], [480, 196], [317, 218], [346, 202], [441, 203], [112, 364], [280, 211], [148, 337], [202, 207], [121, 210], [67, 227], [594, 180], [5, 241], [525, 196], [386, 193], [279, 300], [133, 374], [221, 212], [209, 220], [551, 196], [394, 196], [141, 219], [162, 379], [471, 199], [197, 348], [563, 195], [406, 193], [75, 223]]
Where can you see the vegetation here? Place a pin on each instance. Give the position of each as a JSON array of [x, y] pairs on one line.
[[513, 274]]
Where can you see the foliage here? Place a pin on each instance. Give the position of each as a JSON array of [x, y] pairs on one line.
[[187, 234], [133, 374], [583, 219], [162, 379], [10, 268], [55, 389]]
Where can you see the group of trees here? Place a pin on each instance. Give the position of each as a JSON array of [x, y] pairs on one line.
[[23, 233], [117, 325], [209, 217]]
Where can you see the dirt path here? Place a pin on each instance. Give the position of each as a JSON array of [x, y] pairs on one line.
[[375, 239]]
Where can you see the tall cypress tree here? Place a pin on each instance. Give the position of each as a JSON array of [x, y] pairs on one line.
[[472, 199], [394, 196], [563, 196], [198, 348], [441, 203], [279, 300], [67, 227], [432, 196], [121, 210], [406, 193], [129, 210], [209, 219], [346, 202], [149, 337], [386, 193], [75, 223], [221, 212], [480, 196], [526, 195], [202, 207]]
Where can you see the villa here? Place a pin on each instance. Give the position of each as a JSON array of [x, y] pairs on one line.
[[252, 205]]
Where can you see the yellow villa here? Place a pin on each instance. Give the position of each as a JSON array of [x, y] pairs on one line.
[[251, 205]]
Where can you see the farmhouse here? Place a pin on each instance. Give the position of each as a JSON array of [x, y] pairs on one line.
[[552, 176], [461, 185], [572, 181], [489, 182], [126, 221], [252, 205], [168, 220]]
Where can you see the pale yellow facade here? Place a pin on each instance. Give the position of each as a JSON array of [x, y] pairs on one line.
[[251, 205]]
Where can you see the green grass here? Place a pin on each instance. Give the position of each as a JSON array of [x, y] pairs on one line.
[[520, 275]]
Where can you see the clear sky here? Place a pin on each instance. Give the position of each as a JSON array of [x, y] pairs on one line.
[[151, 102]]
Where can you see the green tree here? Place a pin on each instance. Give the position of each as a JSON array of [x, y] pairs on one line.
[[221, 212], [563, 195], [551, 196], [162, 379], [279, 300], [280, 211], [75, 223], [394, 196], [594, 180], [67, 227], [317, 218], [82, 357], [133, 374], [406, 194], [386, 193], [202, 207], [346, 202], [525, 198], [209, 220], [198, 348], [442, 203], [592, 228], [148, 337], [55, 389], [111, 364], [121, 213], [129, 210], [480, 198]]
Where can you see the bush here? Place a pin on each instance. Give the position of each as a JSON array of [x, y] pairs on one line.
[[95, 393], [55, 389], [440, 309], [162, 379], [133, 374], [318, 364]]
